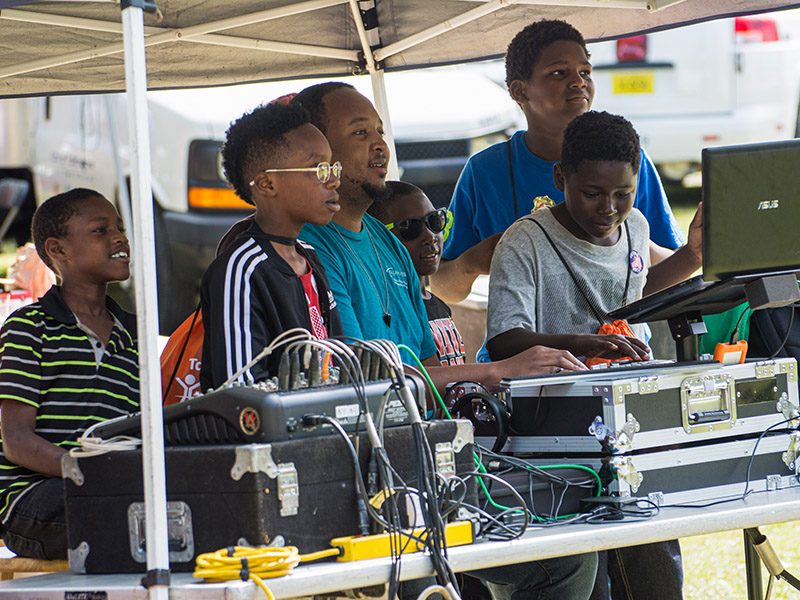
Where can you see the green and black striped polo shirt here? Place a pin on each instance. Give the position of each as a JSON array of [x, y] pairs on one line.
[[47, 361]]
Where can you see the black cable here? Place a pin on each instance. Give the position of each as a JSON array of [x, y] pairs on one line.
[[497, 408], [788, 333], [430, 496], [362, 502], [746, 491], [523, 509], [753, 454], [602, 515], [535, 419], [428, 500], [735, 333], [351, 372]]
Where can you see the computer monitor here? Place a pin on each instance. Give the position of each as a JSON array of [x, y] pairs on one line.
[[751, 209]]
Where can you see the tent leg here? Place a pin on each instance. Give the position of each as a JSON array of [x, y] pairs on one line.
[[155, 496], [382, 106]]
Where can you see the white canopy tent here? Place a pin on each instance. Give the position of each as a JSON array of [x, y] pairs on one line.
[[69, 47]]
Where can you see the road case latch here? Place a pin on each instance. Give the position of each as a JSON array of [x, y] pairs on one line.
[[708, 403], [288, 489], [623, 468], [790, 456]]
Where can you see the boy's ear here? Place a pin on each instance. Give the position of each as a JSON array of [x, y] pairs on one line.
[[558, 177], [518, 92], [55, 249], [265, 184]]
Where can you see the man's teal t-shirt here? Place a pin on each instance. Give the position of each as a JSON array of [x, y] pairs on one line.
[[366, 269]]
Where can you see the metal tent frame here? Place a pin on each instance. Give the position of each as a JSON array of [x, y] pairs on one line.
[[40, 57]]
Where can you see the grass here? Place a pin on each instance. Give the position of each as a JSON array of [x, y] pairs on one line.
[[714, 569], [713, 564], [684, 214], [8, 255]]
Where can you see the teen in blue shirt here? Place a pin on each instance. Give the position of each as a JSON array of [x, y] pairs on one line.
[[548, 74]]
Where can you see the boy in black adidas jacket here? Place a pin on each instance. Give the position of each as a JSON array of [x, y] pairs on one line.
[[267, 282]]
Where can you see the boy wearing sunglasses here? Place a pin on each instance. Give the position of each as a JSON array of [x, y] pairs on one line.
[[409, 214], [267, 282]]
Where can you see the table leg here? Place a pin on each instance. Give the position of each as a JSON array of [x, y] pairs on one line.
[[752, 565]]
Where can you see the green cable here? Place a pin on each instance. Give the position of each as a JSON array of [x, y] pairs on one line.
[[427, 378], [476, 458]]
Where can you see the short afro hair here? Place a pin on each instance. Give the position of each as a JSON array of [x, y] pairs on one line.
[[397, 190], [256, 140], [599, 136], [313, 100], [526, 47], [51, 218]]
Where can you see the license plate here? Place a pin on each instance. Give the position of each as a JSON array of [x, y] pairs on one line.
[[634, 83]]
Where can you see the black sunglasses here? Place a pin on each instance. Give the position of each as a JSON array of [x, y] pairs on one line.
[[410, 229]]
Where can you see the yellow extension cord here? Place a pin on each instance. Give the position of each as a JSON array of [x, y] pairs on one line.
[[256, 563]]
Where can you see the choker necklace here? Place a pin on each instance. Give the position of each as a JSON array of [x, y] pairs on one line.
[[387, 318], [286, 241]]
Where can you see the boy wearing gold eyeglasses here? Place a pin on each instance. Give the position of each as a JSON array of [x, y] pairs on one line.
[[266, 281]]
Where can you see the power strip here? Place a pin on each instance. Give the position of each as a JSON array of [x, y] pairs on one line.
[[352, 548]]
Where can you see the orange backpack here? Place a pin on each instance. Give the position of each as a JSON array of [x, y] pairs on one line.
[[180, 361]]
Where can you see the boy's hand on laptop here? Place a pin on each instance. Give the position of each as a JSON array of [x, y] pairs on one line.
[[610, 346], [541, 359], [695, 236]]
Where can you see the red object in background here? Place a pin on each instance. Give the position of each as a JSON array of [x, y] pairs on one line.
[[11, 301], [756, 29], [632, 49]]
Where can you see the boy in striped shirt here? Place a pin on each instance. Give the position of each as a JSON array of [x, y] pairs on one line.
[[68, 361]]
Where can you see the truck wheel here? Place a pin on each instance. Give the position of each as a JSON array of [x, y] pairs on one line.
[[177, 297]]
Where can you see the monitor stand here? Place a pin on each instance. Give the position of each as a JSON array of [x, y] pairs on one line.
[[684, 313], [684, 329]]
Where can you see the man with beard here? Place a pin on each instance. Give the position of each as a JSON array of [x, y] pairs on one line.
[[370, 272], [378, 296]]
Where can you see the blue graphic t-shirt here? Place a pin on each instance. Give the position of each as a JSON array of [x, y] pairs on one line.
[[371, 272]]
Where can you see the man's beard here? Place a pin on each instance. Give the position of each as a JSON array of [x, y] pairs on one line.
[[376, 193], [366, 193]]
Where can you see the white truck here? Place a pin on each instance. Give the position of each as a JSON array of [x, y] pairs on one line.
[[439, 118], [731, 81]]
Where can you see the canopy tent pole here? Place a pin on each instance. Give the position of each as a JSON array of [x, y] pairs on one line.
[[123, 193], [366, 22], [155, 486], [186, 34], [24, 16], [382, 106]]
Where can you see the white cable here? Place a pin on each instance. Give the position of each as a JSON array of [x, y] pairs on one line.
[[448, 593], [95, 446], [288, 336]]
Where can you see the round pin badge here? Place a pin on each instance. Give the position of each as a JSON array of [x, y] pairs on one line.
[[636, 262]]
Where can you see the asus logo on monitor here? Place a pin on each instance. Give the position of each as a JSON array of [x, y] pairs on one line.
[[768, 204]]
